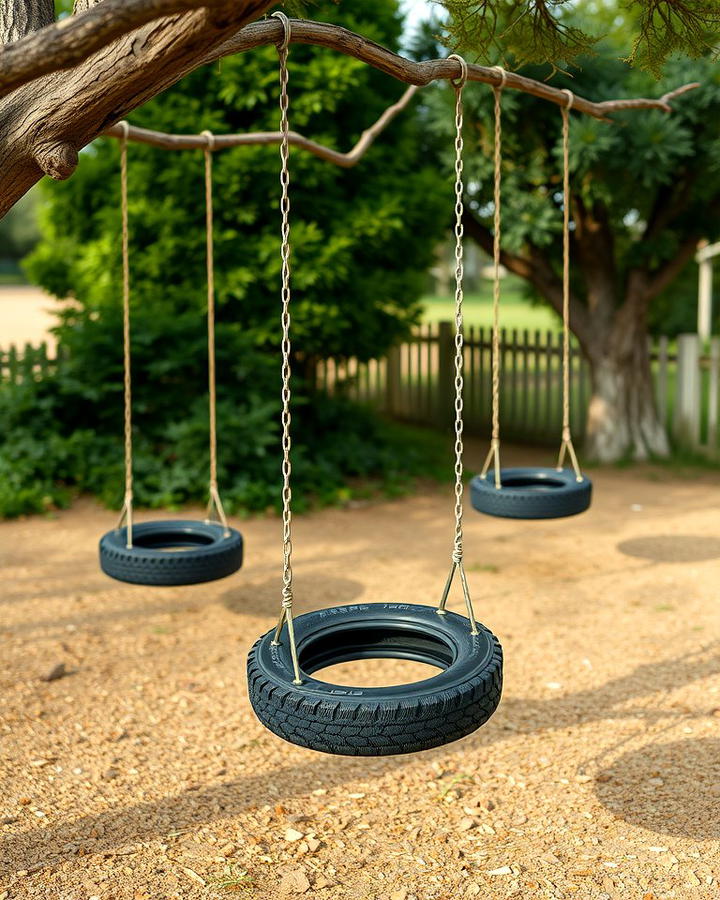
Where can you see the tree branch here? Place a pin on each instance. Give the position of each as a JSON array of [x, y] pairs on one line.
[[665, 275], [538, 272], [221, 141], [67, 43], [19, 18]]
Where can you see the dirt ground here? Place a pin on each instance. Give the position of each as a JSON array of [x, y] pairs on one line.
[[143, 774]]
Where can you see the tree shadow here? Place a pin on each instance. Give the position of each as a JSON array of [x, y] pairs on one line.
[[681, 765], [118, 827], [671, 788], [678, 548]]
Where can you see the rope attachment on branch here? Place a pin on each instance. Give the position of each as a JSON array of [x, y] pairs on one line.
[[566, 446], [457, 564], [126, 513], [215, 511], [286, 614], [493, 456]]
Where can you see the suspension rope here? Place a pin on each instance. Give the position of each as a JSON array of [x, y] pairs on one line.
[[457, 552], [567, 444], [215, 511], [494, 451], [286, 615], [126, 513]]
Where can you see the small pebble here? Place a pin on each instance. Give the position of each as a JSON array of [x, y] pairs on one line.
[[57, 672]]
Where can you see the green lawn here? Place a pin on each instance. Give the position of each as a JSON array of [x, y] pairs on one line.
[[515, 310]]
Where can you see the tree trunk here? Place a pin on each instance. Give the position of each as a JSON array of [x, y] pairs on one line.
[[622, 418]]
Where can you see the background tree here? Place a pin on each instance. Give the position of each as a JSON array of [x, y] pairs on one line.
[[644, 190], [362, 241]]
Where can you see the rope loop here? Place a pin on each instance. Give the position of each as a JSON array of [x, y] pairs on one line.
[[571, 99], [503, 77], [210, 138], [459, 83], [286, 29]]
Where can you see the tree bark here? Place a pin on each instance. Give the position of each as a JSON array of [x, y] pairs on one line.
[[622, 418], [21, 17], [45, 123]]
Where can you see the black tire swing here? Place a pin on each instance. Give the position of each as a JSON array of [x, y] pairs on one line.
[[531, 492], [377, 721], [210, 549]]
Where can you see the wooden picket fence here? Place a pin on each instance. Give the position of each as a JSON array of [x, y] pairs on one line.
[[29, 363], [415, 383]]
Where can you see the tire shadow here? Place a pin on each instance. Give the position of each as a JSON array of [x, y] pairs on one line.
[[671, 788], [679, 548], [311, 591]]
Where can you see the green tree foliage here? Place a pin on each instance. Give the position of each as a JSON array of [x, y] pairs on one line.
[[362, 242], [546, 31]]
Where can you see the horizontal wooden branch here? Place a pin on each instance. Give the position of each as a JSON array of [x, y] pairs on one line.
[[335, 37], [221, 141], [72, 40]]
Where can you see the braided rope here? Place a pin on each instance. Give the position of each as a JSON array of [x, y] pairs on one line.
[[457, 553], [287, 589], [215, 510], [567, 444], [126, 513], [494, 451]]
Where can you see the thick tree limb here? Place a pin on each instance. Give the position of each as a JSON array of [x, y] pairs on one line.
[[70, 41], [21, 17], [45, 123], [221, 141]]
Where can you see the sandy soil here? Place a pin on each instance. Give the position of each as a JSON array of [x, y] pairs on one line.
[[143, 774], [26, 315]]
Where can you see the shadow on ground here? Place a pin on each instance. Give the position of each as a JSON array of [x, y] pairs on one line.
[[671, 788], [678, 548], [683, 804], [311, 591]]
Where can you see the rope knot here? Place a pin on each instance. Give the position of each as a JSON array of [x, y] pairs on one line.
[[287, 597], [457, 554]]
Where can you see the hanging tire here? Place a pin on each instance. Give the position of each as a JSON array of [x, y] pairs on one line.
[[531, 493], [377, 721], [205, 553]]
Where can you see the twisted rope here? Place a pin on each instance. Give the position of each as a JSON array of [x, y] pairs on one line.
[[215, 511], [287, 589], [567, 444], [457, 553], [126, 513], [494, 451]]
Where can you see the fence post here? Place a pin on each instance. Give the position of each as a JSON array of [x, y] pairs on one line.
[[687, 410], [393, 379], [446, 375], [713, 394]]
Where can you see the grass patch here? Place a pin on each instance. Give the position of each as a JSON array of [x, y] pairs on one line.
[[515, 310]]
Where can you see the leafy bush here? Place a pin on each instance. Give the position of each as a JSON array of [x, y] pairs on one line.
[[363, 240]]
